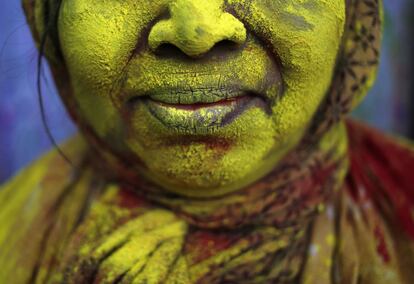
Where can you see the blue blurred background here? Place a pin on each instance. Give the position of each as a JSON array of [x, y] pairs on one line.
[[23, 138]]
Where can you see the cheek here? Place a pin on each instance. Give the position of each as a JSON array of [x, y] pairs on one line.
[[93, 42], [305, 36], [308, 46], [97, 39]]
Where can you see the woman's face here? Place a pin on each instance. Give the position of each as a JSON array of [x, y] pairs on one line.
[[207, 94]]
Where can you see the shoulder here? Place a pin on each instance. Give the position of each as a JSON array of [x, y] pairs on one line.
[[393, 153], [383, 167], [378, 215], [28, 205]]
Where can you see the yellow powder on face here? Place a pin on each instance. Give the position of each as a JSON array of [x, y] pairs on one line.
[[301, 37]]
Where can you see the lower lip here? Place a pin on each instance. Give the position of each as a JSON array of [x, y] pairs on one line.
[[200, 118]]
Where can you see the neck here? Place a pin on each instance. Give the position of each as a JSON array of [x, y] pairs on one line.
[[260, 232], [290, 195]]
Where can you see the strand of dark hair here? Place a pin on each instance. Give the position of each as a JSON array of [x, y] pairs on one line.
[[41, 100]]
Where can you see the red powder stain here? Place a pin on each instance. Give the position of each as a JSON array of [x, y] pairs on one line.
[[129, 199], [201, 245], [381, 245]]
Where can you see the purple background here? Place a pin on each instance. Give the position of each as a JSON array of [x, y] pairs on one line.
[[22, 136]]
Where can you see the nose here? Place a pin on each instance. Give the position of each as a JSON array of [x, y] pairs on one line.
[[195, 26]]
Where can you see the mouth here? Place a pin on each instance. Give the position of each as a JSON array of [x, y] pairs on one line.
[[200, 111]]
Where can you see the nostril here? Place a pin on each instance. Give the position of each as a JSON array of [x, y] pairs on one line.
[[168, 50], [223, 47], [220, 49]]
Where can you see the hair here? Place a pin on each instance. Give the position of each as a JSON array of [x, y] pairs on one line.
[[50, 32]]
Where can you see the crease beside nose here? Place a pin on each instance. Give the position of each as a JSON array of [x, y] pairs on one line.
[[196, 26]]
